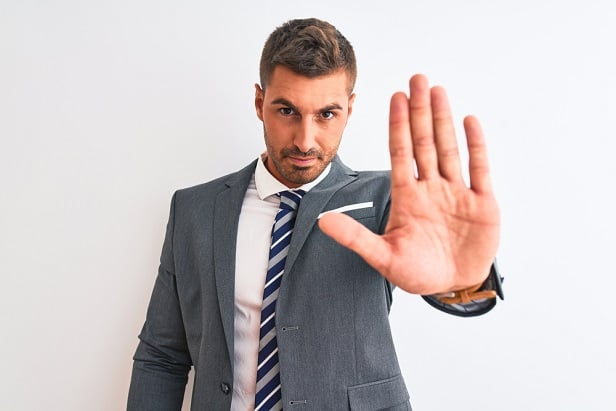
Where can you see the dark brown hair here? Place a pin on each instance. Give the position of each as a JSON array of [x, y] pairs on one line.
[[309, 47]]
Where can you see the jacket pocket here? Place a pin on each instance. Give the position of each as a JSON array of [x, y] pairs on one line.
[[385, 394], [357, 210], [361, 213]]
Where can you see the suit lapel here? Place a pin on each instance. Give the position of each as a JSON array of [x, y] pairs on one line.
[[312, 205], [226, 218]]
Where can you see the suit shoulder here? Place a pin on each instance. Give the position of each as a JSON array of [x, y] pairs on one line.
[[383, 175], [211, 185], [210, 188], [374, 179]]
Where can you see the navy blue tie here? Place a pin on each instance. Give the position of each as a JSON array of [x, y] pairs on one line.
[[269, 395]]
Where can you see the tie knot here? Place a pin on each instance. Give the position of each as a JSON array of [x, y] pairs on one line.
[[289, 199]]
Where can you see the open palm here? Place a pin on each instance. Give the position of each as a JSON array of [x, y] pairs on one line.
[[442, 235]]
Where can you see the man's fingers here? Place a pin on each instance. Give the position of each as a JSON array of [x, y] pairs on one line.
[[422, 131], [479, 168], [445, 136], [353, 235], [400, 146]]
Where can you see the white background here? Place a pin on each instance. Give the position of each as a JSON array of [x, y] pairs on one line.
[[107, 107]]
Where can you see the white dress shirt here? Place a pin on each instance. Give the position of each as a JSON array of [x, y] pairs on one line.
[[251, 259]]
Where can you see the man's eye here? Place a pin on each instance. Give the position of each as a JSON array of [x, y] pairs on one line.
[[286, 111], [327, 115]]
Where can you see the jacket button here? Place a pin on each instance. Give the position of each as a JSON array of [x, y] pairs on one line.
[[224, 387]]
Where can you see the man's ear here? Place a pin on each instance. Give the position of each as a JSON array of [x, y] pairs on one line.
[[259, 96], [351, 100]]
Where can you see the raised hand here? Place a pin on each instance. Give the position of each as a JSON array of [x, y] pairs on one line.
[[442, 235]]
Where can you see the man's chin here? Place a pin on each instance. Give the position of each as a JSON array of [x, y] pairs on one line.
[[302, 175], [298, 174]]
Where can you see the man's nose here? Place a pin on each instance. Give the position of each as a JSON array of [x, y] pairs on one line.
[[305, 137]]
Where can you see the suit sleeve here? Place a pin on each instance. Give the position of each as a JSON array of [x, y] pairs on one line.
[[161, 362]]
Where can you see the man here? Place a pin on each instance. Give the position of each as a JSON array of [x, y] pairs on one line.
[[355, 236]]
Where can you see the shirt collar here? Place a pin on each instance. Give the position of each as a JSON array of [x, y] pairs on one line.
[[268, 185]]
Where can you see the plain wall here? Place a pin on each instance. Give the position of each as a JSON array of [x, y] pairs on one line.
[[108, 107]]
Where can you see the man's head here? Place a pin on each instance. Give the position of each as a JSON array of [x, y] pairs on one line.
[[309, 47], [308, 72]]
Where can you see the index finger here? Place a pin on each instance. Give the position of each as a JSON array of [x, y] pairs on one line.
[[400, 144], [479, 167]]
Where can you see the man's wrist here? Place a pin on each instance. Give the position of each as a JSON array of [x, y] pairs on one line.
[[489, 289]]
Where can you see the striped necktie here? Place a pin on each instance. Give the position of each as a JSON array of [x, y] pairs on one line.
[[268, 395]]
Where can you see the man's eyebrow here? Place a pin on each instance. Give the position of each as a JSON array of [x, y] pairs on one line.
[[333, 106], [283, 101]]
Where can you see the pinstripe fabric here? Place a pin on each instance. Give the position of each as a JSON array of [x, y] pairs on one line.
[[268, 396]]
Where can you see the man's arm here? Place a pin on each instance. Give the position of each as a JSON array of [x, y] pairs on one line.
[[161, 362], [442, 234]]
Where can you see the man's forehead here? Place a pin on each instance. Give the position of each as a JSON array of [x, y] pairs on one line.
[[297, 89]]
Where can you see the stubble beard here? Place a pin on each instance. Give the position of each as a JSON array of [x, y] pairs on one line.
[[296, 174]]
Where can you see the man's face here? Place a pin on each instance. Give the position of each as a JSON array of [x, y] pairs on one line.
[[303, 120]]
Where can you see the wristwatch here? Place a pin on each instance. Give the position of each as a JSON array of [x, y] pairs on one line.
[[492, 287], [471, 301]]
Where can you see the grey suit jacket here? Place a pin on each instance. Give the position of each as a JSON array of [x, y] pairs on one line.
[[335, 346]]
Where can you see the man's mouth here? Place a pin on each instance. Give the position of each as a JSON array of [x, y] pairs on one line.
[[301, 161]]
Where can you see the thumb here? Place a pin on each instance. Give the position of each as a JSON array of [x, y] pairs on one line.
[[354, 236]]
